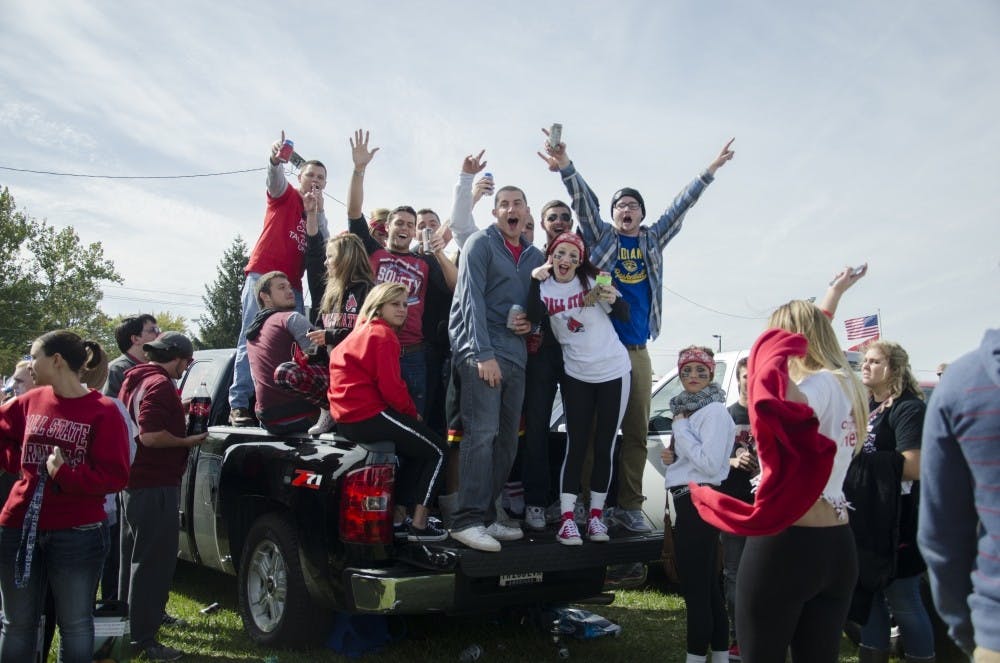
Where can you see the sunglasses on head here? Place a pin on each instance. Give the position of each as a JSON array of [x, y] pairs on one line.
[[565, 216]]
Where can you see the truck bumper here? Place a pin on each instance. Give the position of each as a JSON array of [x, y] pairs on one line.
[[400, 591]]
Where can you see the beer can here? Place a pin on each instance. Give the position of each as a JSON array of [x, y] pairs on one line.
[[285, 153], [427, 233], [512, 314]]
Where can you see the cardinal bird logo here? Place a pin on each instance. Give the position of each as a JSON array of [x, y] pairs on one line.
[[351, 306], [574, 325]]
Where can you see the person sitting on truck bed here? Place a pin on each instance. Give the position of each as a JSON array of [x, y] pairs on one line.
[[370, 402], [271, 338]]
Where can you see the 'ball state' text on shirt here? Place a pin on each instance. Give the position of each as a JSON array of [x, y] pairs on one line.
[[61, 430]]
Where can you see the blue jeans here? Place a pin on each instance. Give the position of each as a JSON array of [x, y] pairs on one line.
[[490, 418], [68, 560], [413, 365], [903, 595], [242, 387]]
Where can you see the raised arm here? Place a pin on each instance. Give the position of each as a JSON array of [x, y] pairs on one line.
[[361, 156], [843, 280], [462, 223], [583, 200]]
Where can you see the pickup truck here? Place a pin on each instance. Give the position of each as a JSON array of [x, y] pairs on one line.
[[305, 524]]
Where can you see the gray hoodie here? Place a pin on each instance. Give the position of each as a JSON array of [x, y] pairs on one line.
[[489, 283]]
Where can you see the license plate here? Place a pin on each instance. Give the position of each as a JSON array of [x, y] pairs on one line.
[[515, 579]]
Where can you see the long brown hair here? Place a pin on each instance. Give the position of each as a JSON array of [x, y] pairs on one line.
[[350, 265], [901, 377]]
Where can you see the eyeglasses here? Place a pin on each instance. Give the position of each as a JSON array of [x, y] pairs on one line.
[[565, 216], [631, 207], [152, 330]]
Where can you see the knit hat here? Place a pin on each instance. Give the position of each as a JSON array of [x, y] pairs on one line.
[[569, 238], [628, 192]]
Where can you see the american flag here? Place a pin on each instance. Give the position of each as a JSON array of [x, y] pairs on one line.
[[864, 327]]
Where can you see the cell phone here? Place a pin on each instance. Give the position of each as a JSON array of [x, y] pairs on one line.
[[555, 134], [859, 270], [297, 159]]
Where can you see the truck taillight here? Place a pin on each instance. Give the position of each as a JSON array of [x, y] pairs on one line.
[[366, 505]]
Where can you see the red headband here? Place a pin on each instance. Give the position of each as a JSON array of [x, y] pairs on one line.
[[571, 238], [377, 226], [693, 355]]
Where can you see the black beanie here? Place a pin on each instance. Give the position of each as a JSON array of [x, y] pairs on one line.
[[628, 192]]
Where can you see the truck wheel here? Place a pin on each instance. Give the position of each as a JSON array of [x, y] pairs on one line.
[[273, 600]]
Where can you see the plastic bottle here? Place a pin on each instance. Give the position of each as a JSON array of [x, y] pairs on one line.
[[488, 177], [198, 411], [470, 653]]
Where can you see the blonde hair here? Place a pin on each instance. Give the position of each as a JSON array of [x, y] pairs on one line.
[[349, 265], [381, 294], [824, 353], [901, 377]]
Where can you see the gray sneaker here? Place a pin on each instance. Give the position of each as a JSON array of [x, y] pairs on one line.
[[633, 520], [156, 651], [534, 518]]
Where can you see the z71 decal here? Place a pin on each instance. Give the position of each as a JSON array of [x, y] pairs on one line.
[[307, 479]]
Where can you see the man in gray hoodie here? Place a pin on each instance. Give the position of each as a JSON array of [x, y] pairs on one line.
[[489, 355], [959, 533]]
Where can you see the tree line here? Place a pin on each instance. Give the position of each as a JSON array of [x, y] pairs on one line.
[[51, 279]]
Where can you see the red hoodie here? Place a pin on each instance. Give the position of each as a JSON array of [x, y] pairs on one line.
[[365, 377], [150, 396], [795, 458], [93, 437]]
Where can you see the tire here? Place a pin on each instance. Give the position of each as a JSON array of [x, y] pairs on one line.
[[273, 600]]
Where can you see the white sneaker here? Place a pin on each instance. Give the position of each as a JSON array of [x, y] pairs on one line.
[[534, 518], [475, 537], [324, 424], [568, 534], [503, 532], [596, 529]]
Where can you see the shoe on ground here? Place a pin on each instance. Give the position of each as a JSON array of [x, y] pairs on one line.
[[534, 518], [569, 534], [324, 424], [475, 537], [428, 534], [734, 654], [170, 620], [597, 530], [502, 532], [241, 417], [632, 520], [156, 651]]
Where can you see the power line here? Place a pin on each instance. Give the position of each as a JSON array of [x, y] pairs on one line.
[[158, 292], [709, 308], [130, 177]]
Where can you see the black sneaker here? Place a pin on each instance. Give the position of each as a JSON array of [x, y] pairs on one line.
[[156, 651], [428, 534], [170, 620]]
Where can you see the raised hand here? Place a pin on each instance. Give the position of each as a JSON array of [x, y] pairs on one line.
[[276, 148], [312, 200], [473, 164], [555, 157], [848, 276], [360, 153], [725, 155], [543, 271]]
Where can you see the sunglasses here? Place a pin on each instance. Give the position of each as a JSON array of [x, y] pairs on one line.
[[565, 216]]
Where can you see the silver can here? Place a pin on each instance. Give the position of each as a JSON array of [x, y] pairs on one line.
[[426, 235], [512, 315]]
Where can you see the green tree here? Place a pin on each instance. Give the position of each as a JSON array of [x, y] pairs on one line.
[[220, 326], [49, 279]]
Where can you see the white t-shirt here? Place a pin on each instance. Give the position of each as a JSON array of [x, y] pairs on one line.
[[833, 409], [590, 345]]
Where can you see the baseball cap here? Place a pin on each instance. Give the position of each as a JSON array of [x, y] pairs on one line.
[[172, 341]]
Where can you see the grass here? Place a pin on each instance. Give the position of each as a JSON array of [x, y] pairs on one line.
[[652, 619]]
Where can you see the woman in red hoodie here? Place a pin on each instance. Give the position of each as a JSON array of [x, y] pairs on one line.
[[370, 403], [70, 445]]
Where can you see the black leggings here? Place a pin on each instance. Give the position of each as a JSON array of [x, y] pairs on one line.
[[794, 589], [697, 551], [422, 450], [581, 402]]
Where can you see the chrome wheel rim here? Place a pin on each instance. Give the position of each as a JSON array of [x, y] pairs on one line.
[[267, 586]]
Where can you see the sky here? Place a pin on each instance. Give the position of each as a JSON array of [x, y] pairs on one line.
[[865, 132]]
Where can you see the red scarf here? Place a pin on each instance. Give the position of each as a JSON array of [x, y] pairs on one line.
[[796, 459]]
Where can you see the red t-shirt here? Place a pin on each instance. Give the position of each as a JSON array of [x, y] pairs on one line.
[[151, 399], [413, 272], [282, 243], [365, 377], [93, 437]]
